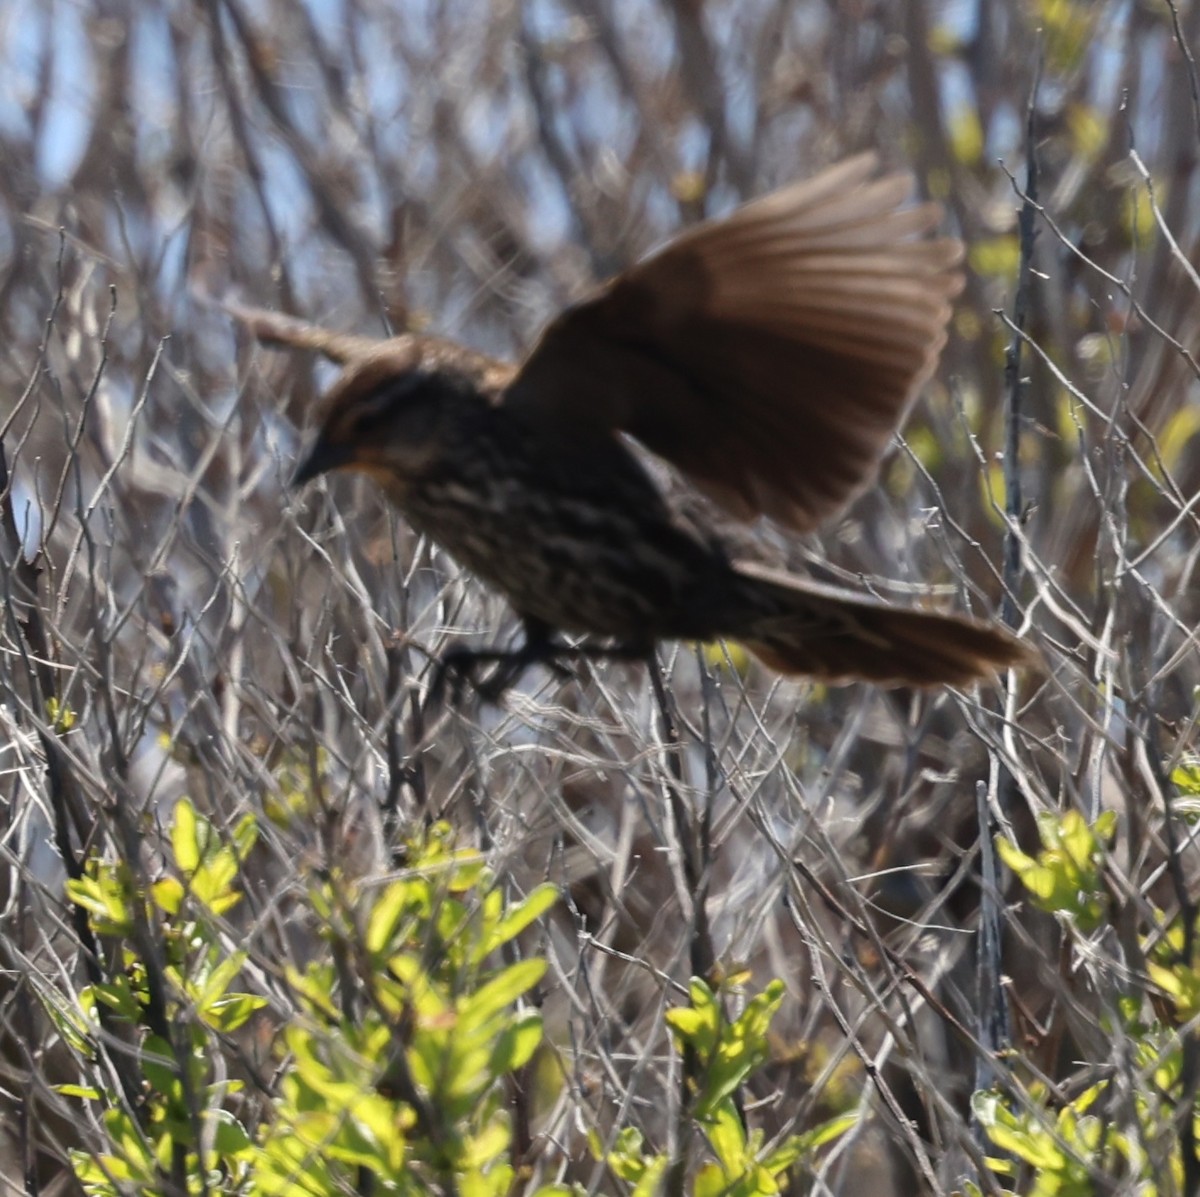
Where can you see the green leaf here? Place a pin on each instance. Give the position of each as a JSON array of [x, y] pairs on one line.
[[482, 1150], [496, 1181], [127, 1141], [827, 1132], [469, 869], [697, 1028], [647, 1186], [118, 995], [741, 1048], [755, 1020], [1077, 838], [159, 1067], [232, 1011], [1066, 877], [727, 1137], [517, 918], [244, 836], [399, 900], [997, 257], [185, 840], [966, 134], [168, 894], [288, 1168], [106, 900], [710, 1181], [628, 1157], [1186, 776], [1088, 129], [516, 1043], [1038, 879], [212, 882], [314, 989], [61, 717], [71, 1022], [230, 1137], [501, 991]]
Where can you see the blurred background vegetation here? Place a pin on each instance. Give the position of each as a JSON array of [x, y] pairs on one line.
[[178, 623]]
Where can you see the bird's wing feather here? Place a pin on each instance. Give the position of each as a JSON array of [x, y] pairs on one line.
[[274, 328], [826, 632], [770, 355]]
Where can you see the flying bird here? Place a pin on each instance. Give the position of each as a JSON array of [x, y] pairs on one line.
[[769, 356]]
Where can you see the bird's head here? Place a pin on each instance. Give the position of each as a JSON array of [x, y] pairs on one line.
[[389, 412]]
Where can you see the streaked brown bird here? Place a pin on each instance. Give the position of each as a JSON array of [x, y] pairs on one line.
[[769, 356]]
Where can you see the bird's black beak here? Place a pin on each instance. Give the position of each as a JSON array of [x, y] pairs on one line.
[[321, 457]]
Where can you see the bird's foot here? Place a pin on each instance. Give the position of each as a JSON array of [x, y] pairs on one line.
[[451, 672], [460, 667]]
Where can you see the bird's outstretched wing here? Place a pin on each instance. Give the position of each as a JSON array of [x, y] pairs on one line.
[[274, 328], [771, 354], [371, 361]]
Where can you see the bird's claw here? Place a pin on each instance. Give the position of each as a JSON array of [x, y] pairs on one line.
[[457, 668]]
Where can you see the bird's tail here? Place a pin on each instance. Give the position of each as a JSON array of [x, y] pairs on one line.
[[797, 626]]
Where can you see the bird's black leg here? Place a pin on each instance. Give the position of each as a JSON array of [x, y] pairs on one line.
[[539, 648], [458, 665]]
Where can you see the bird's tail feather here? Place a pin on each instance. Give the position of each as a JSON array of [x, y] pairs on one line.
[[796, 626]]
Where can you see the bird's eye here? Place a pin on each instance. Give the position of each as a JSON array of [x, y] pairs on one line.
[[385, 402]]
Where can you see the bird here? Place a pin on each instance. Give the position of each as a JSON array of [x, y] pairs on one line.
[[767, 357]]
